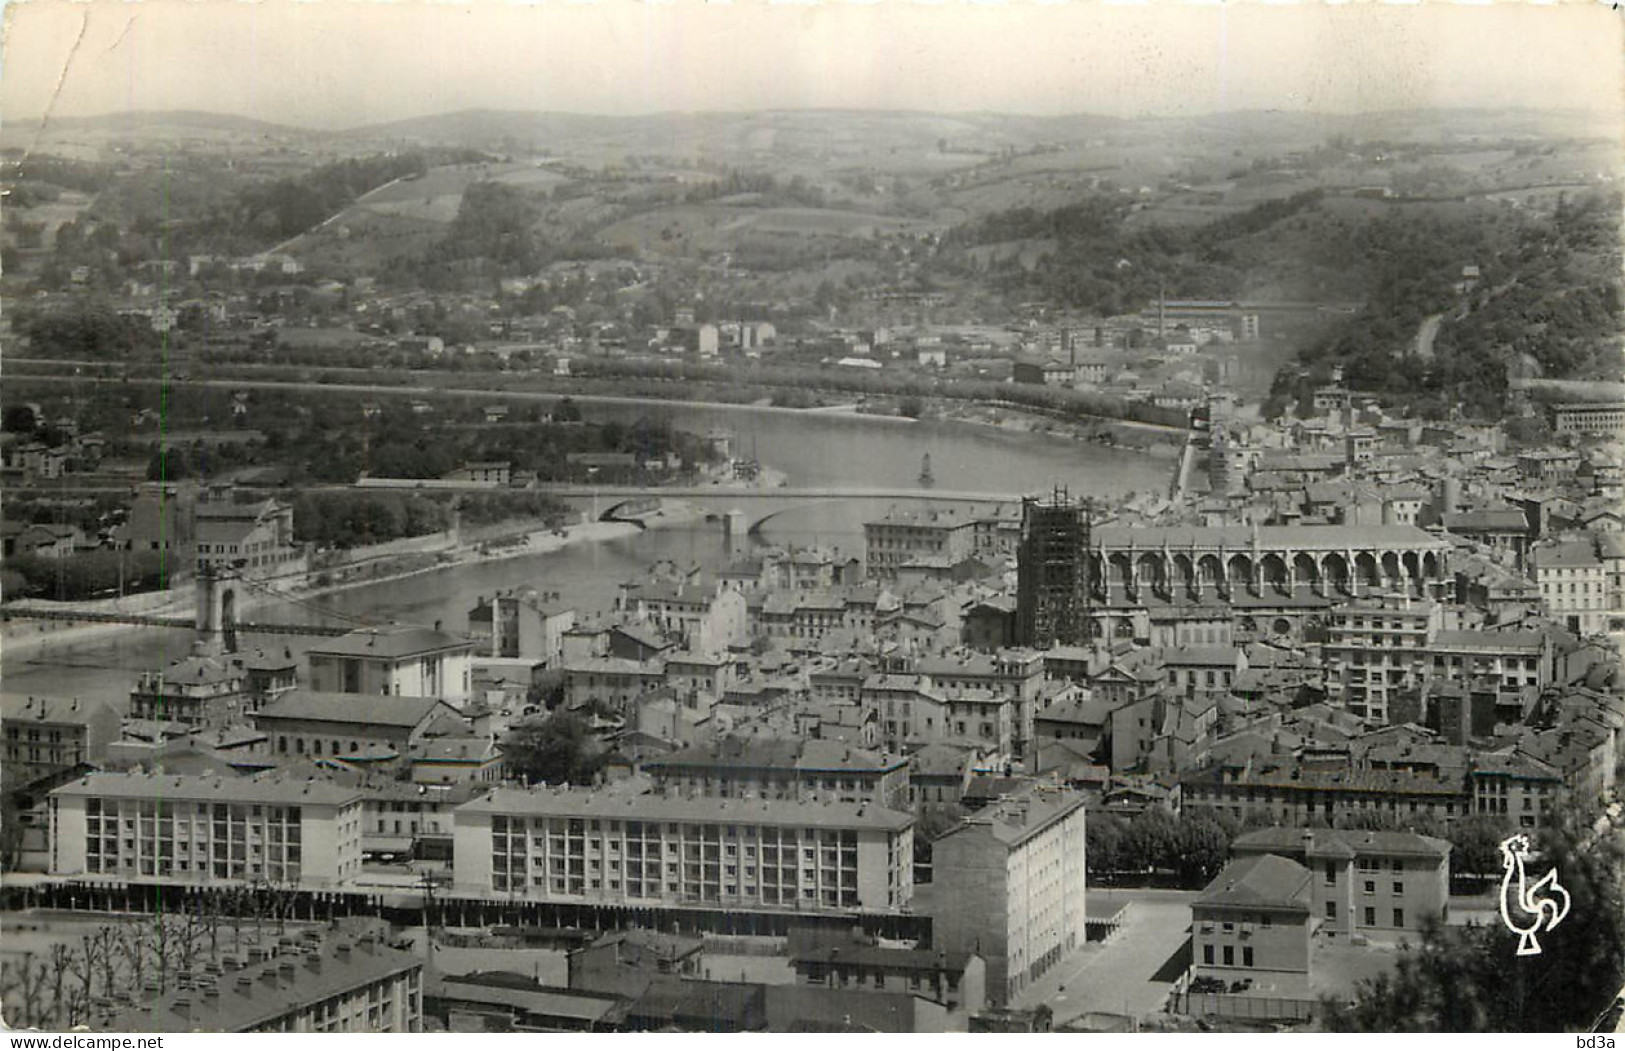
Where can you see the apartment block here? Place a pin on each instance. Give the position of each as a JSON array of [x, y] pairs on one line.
[[621, 848], [1008, 884], [206, 830]]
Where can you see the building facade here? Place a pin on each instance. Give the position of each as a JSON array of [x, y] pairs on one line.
[[1379, 884], [1021, 862], [1254, 917], [399, 662], [619, 848], [206, 830], [48, 735]]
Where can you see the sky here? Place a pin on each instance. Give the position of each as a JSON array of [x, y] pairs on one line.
[[345, 63]]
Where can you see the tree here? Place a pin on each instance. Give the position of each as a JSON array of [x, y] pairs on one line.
[[1203, 846], [1474, 845], [1151, 841], [1469, 979], [554, 750], [19, 419], [168, 465], [1103, 835]]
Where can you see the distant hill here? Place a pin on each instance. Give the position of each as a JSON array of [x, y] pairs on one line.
[[145, 121]]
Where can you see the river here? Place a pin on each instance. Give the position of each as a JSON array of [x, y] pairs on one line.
[[812, 449]]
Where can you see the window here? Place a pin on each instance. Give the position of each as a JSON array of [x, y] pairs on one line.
[[1331, 872], [1370, 916], [1399, 917], [1331, 910], [1246, 955], [1207, 955], [1399, 888], [1229, 955], [1371, 886]]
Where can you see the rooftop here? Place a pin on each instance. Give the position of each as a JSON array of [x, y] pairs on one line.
[[1327, 842], [1262, 881], [397, 643], [1015, 819], [262, 993], [369, 709], [177, 787], [591, 803], [1240, 538]]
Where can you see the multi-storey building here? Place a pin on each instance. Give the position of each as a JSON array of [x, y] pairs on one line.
[[1372, 883], [1574, 585], [1513, 659], [707, 619], [252, 539], [520, 624], [1515, 788], [618, 848], [402, 661], [783, 768], [1592, 420], [1017, 675], [904, 536], [1254, 917], [340, 987], [1008, 884], [206, 830], [49, 735], [613, 682], [202, 692], [1377, 647], [1292, 791]]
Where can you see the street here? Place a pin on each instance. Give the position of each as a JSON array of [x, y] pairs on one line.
[[1127, 974]]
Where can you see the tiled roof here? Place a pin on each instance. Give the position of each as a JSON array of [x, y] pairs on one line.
[[1264, 881]]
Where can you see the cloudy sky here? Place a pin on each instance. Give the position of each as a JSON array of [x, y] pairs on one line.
[[340, 63]]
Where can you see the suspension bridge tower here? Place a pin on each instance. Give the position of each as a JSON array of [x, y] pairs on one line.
[[217, 592]]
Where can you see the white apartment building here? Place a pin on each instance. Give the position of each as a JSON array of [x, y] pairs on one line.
[[1009, 883], [206, 830], [623, 848]]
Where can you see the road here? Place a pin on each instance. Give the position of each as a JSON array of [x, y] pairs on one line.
[[504, 394], [1423, 348], [1122, 975]]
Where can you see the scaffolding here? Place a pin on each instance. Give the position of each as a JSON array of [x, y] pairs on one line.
[[1053, 586]]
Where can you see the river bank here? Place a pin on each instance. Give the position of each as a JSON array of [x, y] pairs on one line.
[[23, 639]]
